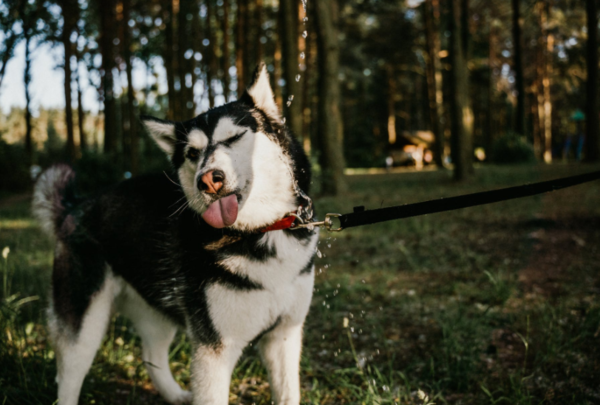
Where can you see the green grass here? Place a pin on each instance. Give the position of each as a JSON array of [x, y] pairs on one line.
[[495, 304]]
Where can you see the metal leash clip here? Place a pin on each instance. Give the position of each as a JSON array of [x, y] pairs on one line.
[[327, 223]]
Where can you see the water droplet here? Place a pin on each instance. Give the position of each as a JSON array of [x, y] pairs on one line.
[[298, 78], [302, 55], [319, 254], [283, 120], [329, 245], [363, 281], [304, 34], [352, 329], [291, 98], [305, 19]]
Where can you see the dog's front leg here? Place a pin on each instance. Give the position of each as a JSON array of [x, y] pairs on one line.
[[211, 373], [280, 350]]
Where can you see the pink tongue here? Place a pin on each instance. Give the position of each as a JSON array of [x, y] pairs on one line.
[[222, 212]]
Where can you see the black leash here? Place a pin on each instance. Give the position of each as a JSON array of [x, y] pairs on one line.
[[360, 216]]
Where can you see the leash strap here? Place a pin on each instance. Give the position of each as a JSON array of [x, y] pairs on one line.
[[362, 217]]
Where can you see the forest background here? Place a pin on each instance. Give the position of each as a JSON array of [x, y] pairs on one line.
[[357, 80], [487, 305]]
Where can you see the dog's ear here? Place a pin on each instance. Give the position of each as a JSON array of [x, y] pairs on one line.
[[163, 133], [260, 95]]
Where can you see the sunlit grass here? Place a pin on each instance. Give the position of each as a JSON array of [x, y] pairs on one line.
[[468, 307]]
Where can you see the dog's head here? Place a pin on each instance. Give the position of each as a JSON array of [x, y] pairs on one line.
[[237, 163]]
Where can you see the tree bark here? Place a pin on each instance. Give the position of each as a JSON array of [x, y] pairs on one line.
[[518, 67], [277, 62], [434, 79], [391, 103], [131, 118], [226, 52], [258, 21], [107, 9], [459, 111], [546, 44], [330, 119], [211, 62], [591, 110], [293, 97], [240, 32], [27, 82], [490, 129], [83, 144], [307, 59], [68, 26]]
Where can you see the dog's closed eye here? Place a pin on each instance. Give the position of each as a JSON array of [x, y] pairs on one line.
[[230, 141]]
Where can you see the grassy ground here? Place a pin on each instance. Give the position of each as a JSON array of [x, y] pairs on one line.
[[493, 304]]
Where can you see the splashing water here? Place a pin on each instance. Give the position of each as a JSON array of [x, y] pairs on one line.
[[304, 34], [298, 78], [302, 55], [319, 254]]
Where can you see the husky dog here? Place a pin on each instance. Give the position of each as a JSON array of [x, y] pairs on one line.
[[195, 251]]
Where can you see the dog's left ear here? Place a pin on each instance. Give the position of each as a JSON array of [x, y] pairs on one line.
[[163, 133], [259, 94]]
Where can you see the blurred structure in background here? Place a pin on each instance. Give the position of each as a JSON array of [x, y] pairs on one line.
[[352, 78]]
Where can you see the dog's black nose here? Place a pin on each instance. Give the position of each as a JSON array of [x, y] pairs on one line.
[[211, 182]]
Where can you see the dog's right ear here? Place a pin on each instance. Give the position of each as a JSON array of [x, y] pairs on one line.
[[163, 133], [259, 94]]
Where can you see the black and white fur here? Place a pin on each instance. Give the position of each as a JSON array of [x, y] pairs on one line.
[[143, 249]]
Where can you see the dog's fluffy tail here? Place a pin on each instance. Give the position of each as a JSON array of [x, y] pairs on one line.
[[52, 195]]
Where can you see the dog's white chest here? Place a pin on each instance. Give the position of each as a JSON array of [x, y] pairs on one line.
[[285, 293]]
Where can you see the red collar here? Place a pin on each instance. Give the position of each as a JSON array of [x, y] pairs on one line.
[[284, 223]]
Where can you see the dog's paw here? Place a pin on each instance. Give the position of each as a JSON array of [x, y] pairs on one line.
[[183, 397]]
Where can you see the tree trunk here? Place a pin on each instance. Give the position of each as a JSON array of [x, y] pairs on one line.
[[258, 21], [518, 68], [185, 67], [591, 110], [107, 8], [131, 118], [459, 111], [83, 144], [226, 53], [293, 97], [307, 59], [211, 62], [66, 40], [27, 82], [240, 32], [434, 79], [546, 44], [330, 118], [391, 104], [490, 129], [277, 62]]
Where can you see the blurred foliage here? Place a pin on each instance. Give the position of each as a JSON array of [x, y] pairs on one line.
[[376, 37], [14, 170], [512, 148]]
